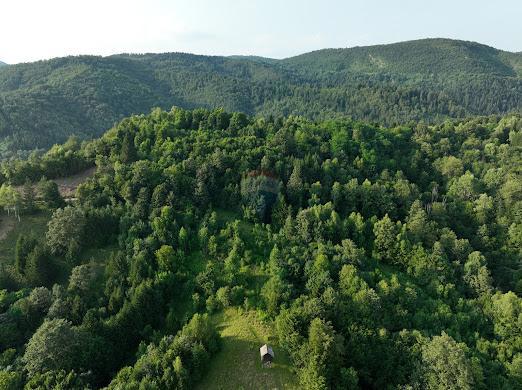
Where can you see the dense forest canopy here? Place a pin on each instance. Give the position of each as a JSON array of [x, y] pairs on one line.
[[385, 257], [423, 57], [427, 80]]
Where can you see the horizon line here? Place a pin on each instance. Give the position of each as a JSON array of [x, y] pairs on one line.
[[254, 55]]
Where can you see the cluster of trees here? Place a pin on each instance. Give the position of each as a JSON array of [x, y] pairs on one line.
[[59, 161], [176, 362], [385, 257], [428, 80], [31, 197]]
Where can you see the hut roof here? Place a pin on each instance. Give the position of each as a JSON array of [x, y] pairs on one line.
[[265, 349]]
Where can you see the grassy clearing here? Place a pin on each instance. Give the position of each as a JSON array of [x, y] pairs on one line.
[[237, 365], [29, 224]]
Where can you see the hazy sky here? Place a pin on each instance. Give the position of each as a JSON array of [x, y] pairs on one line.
[[39, 29]]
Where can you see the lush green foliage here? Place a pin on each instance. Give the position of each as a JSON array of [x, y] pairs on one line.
[[176, 363], [383, 254], [430, 80]]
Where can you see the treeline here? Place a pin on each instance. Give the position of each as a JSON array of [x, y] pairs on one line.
[[59, 161], [385, 257], [428, 80]]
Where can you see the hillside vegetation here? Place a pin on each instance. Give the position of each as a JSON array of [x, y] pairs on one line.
[[427, 57], [429, 80], [370, 256]]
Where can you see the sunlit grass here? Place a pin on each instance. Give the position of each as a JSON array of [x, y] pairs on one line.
[[238, 365]]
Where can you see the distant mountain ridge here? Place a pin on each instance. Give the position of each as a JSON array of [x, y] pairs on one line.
[[421, 57], [428, 80], [2, 63]]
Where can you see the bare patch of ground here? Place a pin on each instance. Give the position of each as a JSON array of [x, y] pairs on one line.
[[68, 185]]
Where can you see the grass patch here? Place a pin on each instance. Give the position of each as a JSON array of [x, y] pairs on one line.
[[35, 224], [237, 365]]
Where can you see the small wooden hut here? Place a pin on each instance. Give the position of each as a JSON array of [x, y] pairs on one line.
[[267, 355]]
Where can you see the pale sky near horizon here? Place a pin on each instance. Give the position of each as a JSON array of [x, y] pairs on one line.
[[36, 29]]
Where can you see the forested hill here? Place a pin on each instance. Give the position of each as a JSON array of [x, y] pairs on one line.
[[430, 80], [379, 257], [422, 58], [2, 63]]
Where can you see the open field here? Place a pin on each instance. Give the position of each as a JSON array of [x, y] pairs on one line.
[[237, 365]]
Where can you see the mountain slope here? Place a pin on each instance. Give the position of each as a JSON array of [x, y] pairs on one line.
[[439, 57], [515, 60], [429, 80], [2, 63]]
